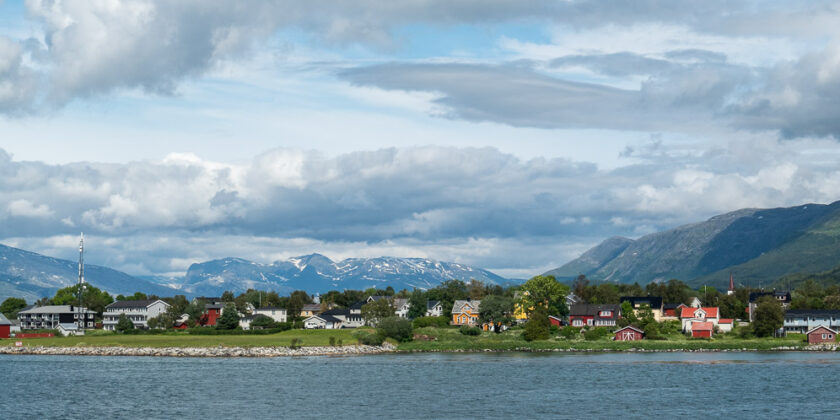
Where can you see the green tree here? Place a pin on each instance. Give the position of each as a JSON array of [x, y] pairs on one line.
[[297, 299], [581, 288], [417, 304], [538, 326], [545, 292], [124, 324], [92, 298], [377, 310], [447, 293], [475, 289], [495, 310], [162, 321], [769, 317], [262, 321], [628, 316], [228, 297], [395, 327], [177, 304], [11, 306], [605, 293], [229, 319], [135, 296]]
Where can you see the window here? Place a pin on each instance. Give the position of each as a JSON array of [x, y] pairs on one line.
[[823, 336]]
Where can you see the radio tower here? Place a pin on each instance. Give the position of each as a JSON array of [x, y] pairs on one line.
[[80, 320]]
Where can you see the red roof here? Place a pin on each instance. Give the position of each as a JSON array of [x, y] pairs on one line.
[[711, 312], [725, 321], [702, 326]]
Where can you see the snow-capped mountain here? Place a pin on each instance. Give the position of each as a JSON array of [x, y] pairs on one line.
[[316, 272]]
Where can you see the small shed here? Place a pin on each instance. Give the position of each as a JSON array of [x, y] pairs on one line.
[[726, 324], [555, 320], [5, 327], [629, 333], [702, 329], [821, 334]]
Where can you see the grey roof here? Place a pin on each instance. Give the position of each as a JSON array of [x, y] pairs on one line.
[[655, 302], [144, 303], [583, 309], [398, 303], [431, 303], [312, 307], [358, 305], [812, 313], [270, 308], [54, 309], [4, 320], [213, 306], [458, 306], [325, 317]]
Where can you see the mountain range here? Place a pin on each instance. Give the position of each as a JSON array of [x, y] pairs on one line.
[[32, 276], [757, 246]]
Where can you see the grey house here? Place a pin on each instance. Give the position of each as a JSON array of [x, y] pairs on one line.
[[801, 321]]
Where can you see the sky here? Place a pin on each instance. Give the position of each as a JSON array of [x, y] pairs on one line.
[[507, 134]]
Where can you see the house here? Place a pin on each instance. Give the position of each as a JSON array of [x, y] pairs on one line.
[[640, 302], [434, 308], [801, 321], [629, 333], [48, 317], [821, 334], [348, 317], [690, 315], [310, 309], [555, 320], [594, 315], [782, 297], [671, 311], [138, 311], [701, 329], [277, 314], [322, 321], [401, 307], [465, 312], [212, 312], [5, 327], [209, 300], [695, 302], [69, 329], [726, 324]]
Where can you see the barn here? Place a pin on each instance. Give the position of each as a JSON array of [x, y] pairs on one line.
[[821, 334], [702, 329], [629, 333], [5, 327]]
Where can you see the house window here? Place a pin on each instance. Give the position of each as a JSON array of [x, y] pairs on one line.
[[605, 314], [577, 323], [823, 336]]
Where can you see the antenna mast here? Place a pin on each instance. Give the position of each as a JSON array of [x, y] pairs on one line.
[[80, 320]]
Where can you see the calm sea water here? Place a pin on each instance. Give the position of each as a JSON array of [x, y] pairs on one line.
[[425, 386]]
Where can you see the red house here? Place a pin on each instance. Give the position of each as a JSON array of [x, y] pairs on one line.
[[5, 327], [702, 329], [582, 315], [821, 334], [210, 315], [556, 321], [629, 333]]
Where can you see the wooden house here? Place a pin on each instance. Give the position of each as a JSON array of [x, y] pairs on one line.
[[629, 333], [821, 334]]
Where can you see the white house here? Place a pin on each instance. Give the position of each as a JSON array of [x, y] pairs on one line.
[[69, 329], [434, 308], [138, 311], [322, 321], [401, 307], [703, 314], [276, 314]]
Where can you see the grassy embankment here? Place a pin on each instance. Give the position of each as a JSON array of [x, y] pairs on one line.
[[449, 339], [308, 338]]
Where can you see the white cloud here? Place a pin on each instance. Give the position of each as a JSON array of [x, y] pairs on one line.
[[25, 208]]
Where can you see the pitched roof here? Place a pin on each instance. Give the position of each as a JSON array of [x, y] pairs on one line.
[[4, 320], [54, 309], [725, 321], [312, 307], [584, 309], [671, 305], [143, 303], [431, 303], [68, 326], [358, 305], [398, 303], [325, 317], [458, 306], [754, 296], [812, 313], [629, 327], [702, 326], [711, 312], [818, 327]]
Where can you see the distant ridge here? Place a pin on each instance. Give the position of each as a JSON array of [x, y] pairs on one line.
[[757, 245]]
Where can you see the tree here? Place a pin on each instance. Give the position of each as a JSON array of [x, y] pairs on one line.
[[605, 293], [495, 310], [417, 304], [92, 298], [769, 317], [228, 297], [162, 321], [262, 321], [229, 319], [538, 326], [581, 288], [124, 324], [397, 328], [297, 299], [447, 293], [628, 316], [11, 306], [545, 292], [177, 304], [475, 289], [377, 310], [135, 296]]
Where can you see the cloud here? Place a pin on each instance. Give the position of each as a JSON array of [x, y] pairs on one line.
[[477, 206]]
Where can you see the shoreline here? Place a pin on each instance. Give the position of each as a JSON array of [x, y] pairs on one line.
[[354, 350]]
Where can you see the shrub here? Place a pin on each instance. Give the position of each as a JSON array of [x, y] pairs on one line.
[[537, 327], [467, 330], [262, 321], [554, 329], [296, 343], [369, 339], [570, 333], [124, 324], [332, 341], [395, 327], [229, 319], [596, 333], [431, 321], [670, 327]]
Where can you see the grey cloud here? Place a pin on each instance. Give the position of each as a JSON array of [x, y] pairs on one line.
[[617, 64]]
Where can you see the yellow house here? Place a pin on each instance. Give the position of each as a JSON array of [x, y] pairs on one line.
[[465, 312]]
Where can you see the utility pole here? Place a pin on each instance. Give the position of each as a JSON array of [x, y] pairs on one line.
[[80, 320]]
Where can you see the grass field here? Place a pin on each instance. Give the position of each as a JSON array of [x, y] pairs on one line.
[[451, 339], [180, 339]]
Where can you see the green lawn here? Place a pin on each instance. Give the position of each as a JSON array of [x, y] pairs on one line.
[[451, 339], [180, 339]]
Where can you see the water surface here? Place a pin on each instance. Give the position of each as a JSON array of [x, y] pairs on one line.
[[425, 386]]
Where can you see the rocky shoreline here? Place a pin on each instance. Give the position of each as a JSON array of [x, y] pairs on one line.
[[218, 351], [824, 348]]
